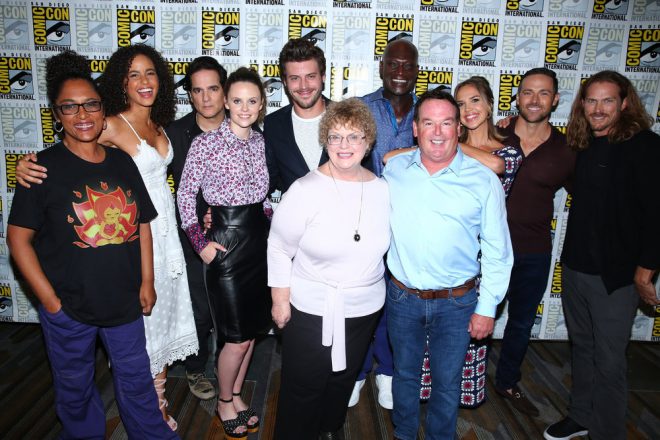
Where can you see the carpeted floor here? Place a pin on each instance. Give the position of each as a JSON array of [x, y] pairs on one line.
[[26, 396]]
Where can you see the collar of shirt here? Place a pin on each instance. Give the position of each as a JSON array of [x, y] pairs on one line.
[[454, 166], [377, 96]]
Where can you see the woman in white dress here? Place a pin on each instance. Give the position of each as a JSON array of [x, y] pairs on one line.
[[138, 95]]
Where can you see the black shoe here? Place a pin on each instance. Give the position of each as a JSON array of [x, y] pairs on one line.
[[564, 430], [336, 435], [519, 400]]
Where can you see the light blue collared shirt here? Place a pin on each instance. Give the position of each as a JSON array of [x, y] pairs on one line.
[[440, 222]]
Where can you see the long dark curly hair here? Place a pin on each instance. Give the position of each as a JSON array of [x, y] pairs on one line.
[[112, 83]]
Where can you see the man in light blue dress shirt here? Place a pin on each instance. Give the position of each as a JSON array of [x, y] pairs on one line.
[[446, 208]]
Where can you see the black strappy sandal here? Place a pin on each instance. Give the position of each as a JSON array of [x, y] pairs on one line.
[[232, 425], [246, 415]]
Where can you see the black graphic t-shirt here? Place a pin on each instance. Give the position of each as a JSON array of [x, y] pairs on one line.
[[87, 218]]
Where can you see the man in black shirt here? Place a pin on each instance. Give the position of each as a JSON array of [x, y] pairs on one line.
[[611, 250], [204, 81]]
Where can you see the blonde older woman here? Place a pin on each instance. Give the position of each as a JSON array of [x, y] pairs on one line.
[[335, 222]]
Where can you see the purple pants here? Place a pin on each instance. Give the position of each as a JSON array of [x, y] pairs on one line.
[[71, 347]]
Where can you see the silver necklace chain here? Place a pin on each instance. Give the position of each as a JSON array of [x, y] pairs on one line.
[[356, 236]]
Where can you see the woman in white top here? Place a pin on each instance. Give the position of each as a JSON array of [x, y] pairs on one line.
[[325, 267]]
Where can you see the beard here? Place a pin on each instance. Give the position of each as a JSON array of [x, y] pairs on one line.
[[539, 117]]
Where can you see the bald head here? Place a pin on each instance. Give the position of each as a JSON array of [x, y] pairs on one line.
[[404, 45], [398, 68]]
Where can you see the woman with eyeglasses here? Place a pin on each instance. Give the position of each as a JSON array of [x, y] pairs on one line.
[[139, 100], [83, 243], [326, 300]]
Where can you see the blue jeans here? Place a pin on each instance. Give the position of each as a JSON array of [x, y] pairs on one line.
[[445, 321], [529, 279]]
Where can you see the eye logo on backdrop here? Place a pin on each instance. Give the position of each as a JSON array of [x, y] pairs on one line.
[[568, 83], [221, 32], [178, 31], [438, 6], [263, 33], [178, 69], [604, 46], [51, 27], [478, 43], [19, 125], [643, 51], [94, 29], [521, 44], [136, 26], [16, 77], [310, 25], [562, 45], [646, 85], [391, 27], [508, 91], [350, 34], [610, 9], [429, 79], [525, 8], [14, 26], [270, 76], [436, 40]]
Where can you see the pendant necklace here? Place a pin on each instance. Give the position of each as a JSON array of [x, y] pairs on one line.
[[356, 236]]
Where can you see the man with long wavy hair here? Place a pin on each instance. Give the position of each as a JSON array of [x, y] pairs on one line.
[[611, 251]]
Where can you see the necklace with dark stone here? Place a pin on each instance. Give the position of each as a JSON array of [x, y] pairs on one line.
[[357, 235]]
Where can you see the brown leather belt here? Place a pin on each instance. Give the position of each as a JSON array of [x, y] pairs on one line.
[[437, 294]]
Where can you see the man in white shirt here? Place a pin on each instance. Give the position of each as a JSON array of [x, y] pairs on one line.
[[291, 133]]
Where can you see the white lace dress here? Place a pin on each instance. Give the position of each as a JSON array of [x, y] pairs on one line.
[[170, 329]]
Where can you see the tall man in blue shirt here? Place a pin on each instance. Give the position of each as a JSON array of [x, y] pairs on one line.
[[392, 108], [446, 208]]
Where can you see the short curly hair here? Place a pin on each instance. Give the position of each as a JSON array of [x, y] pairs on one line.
[[352, 113], [63, 67], [112, 83]]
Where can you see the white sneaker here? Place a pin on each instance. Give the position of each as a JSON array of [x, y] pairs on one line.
[[384, 384], [355, 395]]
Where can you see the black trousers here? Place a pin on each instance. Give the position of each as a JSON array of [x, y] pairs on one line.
[[312, 397], [196, 363]]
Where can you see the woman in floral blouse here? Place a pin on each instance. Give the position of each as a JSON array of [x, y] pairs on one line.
[[229, 166]]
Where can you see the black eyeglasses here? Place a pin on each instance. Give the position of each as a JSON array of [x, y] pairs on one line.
[[73, 109]]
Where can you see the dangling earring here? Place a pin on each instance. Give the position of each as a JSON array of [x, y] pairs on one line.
[[58, 127], [125, 99]]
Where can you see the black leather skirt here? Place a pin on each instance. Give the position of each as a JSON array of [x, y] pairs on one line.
[[236, 280]]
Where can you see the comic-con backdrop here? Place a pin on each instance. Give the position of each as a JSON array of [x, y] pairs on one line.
[[498, 39]]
